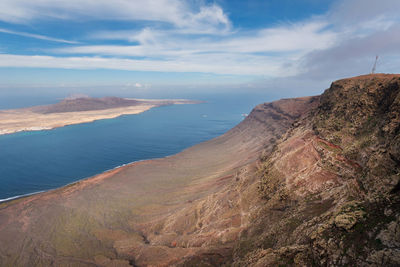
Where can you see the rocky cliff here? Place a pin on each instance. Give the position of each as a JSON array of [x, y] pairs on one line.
[[331, 185], [306, 181]]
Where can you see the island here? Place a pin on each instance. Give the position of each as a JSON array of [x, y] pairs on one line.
[[77, 110]]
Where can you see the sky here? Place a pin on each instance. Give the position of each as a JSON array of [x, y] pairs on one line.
[[104, 47]]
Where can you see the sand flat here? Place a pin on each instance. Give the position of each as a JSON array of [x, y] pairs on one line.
[[25, 120]]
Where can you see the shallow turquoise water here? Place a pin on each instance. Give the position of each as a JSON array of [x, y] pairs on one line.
[[43, 160]]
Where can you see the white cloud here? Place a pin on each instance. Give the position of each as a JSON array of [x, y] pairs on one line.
[[348, 13], [355, 55], [137, 85], [290, 42], [213, 16], [37, 36], [218, 64], [363, 29], [301, 36], [187, 37], [179, 13], [20, 11], [211, 46], [293, 37]]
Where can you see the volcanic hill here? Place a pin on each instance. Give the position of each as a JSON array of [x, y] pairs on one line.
[[300, 182], [85, 104]]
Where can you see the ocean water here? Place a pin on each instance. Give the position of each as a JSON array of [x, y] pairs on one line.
[[41, 160]]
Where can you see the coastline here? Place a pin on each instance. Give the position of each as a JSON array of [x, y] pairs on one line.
[[27, 119], [89, 179], [100, 115], [4, 200], [104, 173], [39, 122]]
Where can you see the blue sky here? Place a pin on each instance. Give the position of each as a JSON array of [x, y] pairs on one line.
[[293, 46]]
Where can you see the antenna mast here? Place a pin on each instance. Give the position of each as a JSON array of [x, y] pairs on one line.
[[374, 67]]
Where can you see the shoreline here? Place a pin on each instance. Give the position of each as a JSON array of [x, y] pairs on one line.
[[103, 173], [28, 120], [9, 199], [5, 200], [131, 110], [80, 117], [36, 129]]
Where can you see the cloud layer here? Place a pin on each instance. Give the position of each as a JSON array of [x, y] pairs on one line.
[[198, 17], [193, 36]]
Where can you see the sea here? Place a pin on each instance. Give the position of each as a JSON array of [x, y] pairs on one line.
[[37, 161]]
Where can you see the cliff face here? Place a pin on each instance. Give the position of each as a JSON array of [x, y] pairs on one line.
[[306, 181], [331, 185]]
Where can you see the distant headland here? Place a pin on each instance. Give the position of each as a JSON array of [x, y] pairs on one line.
[[76, 110]]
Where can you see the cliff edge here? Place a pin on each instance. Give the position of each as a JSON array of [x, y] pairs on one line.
[[331, 185]]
